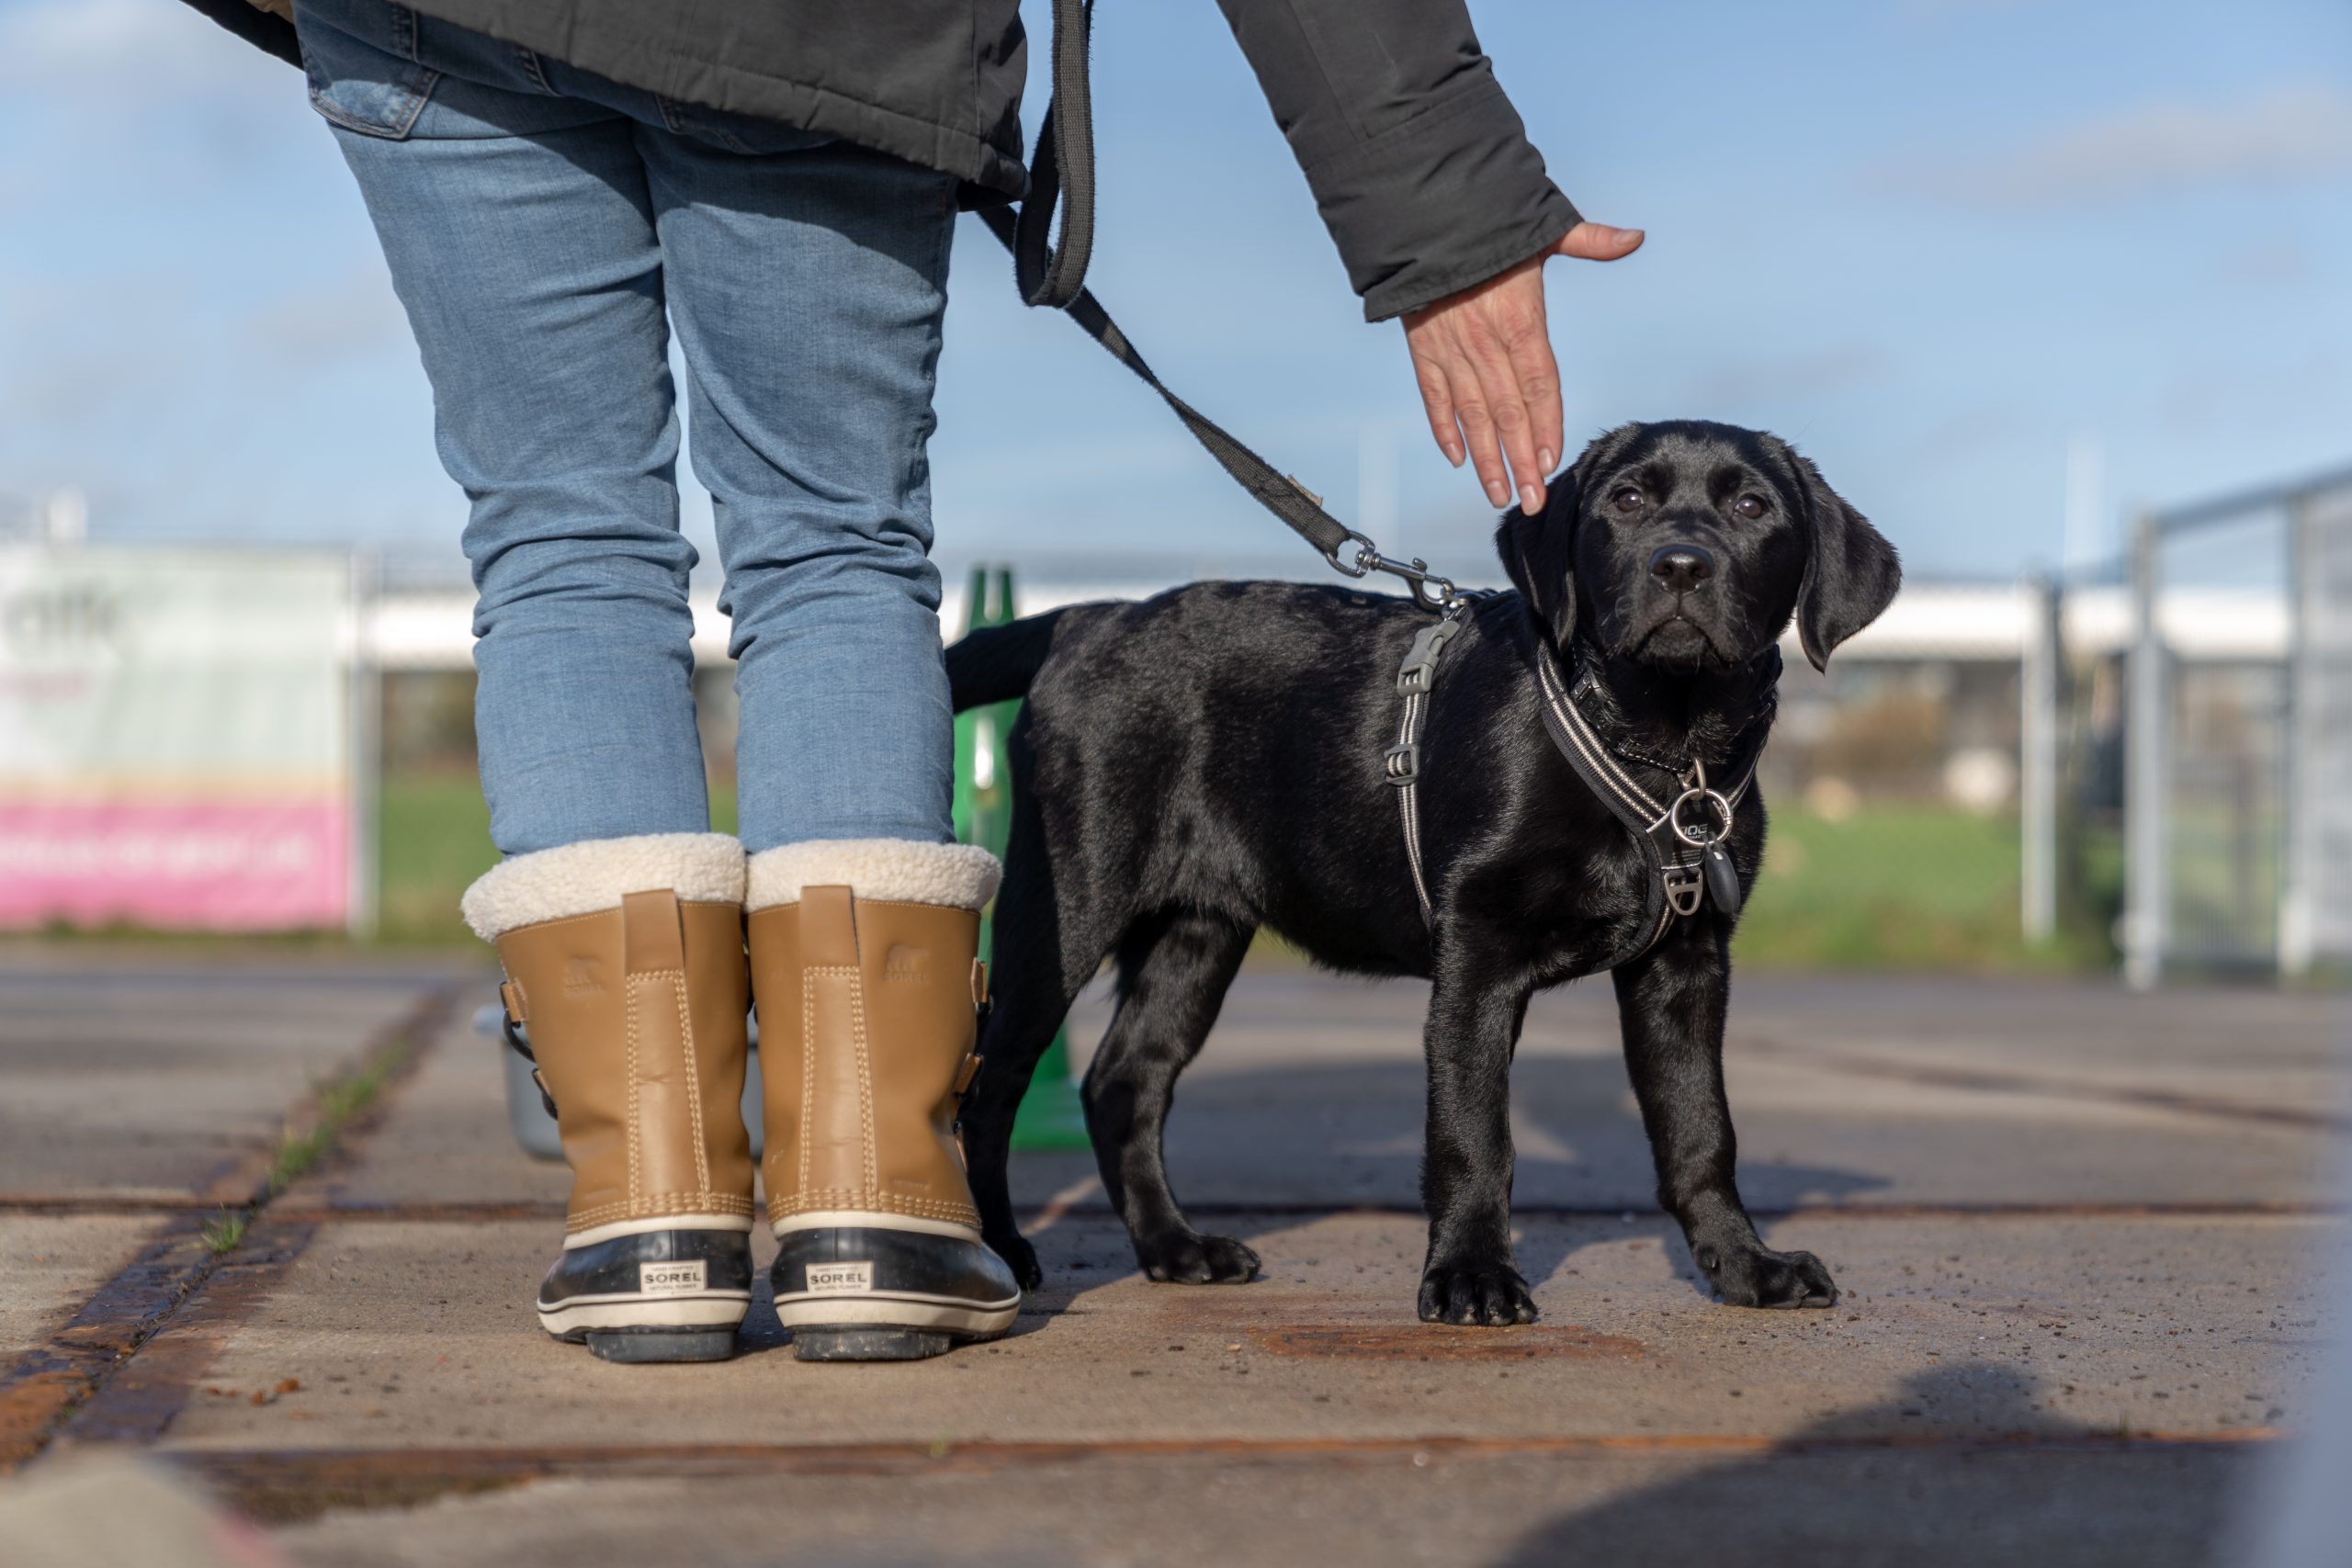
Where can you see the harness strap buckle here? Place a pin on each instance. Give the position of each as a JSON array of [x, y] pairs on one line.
[[1401, 764], [1686, 889], [1417, 673]]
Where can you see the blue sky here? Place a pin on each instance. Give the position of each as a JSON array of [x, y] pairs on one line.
[[1931, 240]]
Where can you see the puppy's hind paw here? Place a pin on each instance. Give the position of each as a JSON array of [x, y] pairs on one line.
[[1754, 1277], [1490, 1295], [1197, 1260]]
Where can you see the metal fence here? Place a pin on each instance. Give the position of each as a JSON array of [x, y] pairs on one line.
[[2230, 824]]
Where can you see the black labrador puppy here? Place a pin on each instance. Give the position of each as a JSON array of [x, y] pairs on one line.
[[1197, 765]]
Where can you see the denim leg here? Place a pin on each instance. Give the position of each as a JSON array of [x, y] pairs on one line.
[[520, 236], [807, 289], [531, 277]]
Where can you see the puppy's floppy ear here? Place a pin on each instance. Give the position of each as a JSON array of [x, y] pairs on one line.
[[1540, 554], [1850, 571]]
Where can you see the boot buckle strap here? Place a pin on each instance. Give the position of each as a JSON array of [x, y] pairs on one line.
[[510, 994], [969, 1071]]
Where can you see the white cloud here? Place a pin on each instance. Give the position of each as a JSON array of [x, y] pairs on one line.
[[2299, 132]]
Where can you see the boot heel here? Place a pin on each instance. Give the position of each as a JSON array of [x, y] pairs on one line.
[[869, 1344], [642, 1345]]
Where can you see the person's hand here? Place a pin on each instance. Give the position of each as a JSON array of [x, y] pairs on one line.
[[1484, 361]]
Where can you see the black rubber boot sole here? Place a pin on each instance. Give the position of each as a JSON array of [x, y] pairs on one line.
[[638, 1346], [868, 1343]]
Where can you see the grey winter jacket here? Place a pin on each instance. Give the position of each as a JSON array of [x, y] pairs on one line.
[[1420, 165]]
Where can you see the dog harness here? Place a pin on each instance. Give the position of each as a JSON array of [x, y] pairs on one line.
[[1681, 837]]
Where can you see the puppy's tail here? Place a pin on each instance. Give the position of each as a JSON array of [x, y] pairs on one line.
[[996, 664]]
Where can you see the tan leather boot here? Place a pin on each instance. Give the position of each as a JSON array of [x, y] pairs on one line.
[[626, 978], [866, 971]]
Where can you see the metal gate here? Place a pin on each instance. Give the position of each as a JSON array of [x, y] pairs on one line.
[[2229, 829]]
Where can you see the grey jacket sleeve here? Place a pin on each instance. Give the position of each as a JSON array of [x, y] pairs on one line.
[[1419, 165]]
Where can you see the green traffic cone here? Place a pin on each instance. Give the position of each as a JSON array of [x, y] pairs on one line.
[[1050, 1119]]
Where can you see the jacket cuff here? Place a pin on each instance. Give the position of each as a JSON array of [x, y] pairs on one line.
[[1449, 198]]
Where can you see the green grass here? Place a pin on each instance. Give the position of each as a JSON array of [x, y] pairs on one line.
[[1891, 887], [298, 1153], [434, 838], [224, 1230], [1898, 888]]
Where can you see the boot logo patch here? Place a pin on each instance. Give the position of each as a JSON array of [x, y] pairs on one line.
[[904, 963], [840, 1279], [582, 977], [671, 1279]]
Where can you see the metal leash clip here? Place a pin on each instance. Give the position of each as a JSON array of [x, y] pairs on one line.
[[1429, 590]]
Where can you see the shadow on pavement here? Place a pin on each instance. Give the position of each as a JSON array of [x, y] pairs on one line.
[[1894, 1484]]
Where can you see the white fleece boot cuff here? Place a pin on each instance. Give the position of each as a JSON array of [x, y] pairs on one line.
[[583, 878], [899, 871]]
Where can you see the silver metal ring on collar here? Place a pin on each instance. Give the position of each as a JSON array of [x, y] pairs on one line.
[[1674, 816]]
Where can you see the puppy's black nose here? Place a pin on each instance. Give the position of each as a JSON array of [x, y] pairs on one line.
[[1681, 567]]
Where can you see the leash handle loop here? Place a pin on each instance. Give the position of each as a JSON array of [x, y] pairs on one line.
[[1061, 172], [1065, 152]]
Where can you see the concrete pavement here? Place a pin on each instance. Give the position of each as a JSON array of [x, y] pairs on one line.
[[2075, 1229]]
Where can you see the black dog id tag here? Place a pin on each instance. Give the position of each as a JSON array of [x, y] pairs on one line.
[[1723, 877]]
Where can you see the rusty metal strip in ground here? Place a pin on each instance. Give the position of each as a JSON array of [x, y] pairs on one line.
[[285, 1485], [101, 1203], [424, 1214], [42, 1390], [1996, 1080], [150, 1388]]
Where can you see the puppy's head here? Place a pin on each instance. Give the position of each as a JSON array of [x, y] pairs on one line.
[[1685, 545]]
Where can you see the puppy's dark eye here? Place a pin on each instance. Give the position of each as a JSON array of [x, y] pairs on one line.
[[1751, 506], [1628, 499]]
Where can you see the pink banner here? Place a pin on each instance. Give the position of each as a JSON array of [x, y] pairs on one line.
[[174, 866]]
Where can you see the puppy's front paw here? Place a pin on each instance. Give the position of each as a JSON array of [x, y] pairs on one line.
[[1489, 1294], [1188, 1259], [1754, 1277], [1019, 1256]]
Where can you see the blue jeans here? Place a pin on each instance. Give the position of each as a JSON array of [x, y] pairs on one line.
[[544, 228]]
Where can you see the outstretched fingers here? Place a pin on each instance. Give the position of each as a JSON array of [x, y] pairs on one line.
[[1489, 383]]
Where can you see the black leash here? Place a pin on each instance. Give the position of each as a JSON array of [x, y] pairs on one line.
[[1063, 167]]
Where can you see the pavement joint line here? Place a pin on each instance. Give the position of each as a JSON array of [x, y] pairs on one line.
[[496, 1212], [45, 1388], [1994, 1080], [283, 1485]]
